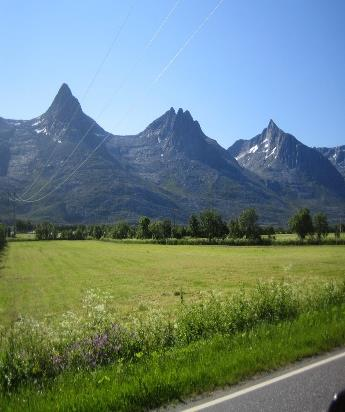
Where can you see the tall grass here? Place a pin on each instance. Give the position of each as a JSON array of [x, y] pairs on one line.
[[32, 351], [161, 377]]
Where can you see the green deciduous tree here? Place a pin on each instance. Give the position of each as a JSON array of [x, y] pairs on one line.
[[121, 230], [321, 227], [157, 229], [96, 232], [80, 233], [167, 227], [194, 226], [234, 229], [46, 231], [301, 223], [248, 224], [212, 225], [143, 231], [178, 231]]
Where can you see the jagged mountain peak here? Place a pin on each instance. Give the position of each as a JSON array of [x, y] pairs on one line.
[[184, 116], [65, 90], [172, 122], [279, 157], [272, 131], [272, 125], [64, 105], [64, 96], [65, 120]]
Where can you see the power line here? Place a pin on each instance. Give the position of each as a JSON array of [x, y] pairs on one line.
[[157, 78], [107, 105]]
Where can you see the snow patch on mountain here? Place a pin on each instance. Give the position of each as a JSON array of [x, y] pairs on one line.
[[42, 131]]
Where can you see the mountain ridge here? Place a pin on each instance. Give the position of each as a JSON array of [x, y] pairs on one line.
[[171, 168], [273, 152]]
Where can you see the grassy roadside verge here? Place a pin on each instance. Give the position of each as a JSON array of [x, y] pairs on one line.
[[167, 376]]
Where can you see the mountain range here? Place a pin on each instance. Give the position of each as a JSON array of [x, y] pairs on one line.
[[169, 170]]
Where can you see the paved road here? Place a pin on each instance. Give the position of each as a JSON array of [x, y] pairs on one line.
[[307, 387]]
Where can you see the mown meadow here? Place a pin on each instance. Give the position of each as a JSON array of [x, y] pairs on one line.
[[44, 279], [92, 325]]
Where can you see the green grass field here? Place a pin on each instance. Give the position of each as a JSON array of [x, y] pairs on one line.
[[48, 278], [95, 363]]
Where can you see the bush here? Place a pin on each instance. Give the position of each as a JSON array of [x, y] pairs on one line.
[[31, 350]]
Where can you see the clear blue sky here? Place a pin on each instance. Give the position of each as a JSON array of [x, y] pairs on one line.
[[254, 60]]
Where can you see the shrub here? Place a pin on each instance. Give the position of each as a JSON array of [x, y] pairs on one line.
[[31, 350]]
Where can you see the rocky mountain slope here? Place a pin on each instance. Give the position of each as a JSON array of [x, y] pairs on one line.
[[299, 174], [169, 170], [175, 154], [336, 155]]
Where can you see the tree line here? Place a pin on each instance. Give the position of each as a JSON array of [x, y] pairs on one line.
[[208, 224]]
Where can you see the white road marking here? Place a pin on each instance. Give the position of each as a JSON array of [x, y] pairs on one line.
[[265, 383]]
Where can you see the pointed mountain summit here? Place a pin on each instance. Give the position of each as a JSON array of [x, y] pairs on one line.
[[174, 135], [180, 122], [287, 164], [65, 119], [272, 125], [170, 169], [174, 153], [64, 106]]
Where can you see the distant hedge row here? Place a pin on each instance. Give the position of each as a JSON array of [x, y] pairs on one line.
[[230, 241]]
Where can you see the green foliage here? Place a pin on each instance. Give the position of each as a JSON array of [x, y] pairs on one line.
[[248, 225], [167, 228], [234, 229], [156, 230], [301, 223], [143, 231], [321, 227], [2, 236], [160, 378], [96, 232], [67, 234], [194, 226], [160, 229], [269, 231], [245, 226], [212, 225], [46, 231], [178, 231], [31, 350], [80, 233], [24, 226], [120, 231]]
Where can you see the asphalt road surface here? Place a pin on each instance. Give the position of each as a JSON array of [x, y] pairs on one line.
[[308, 386]]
